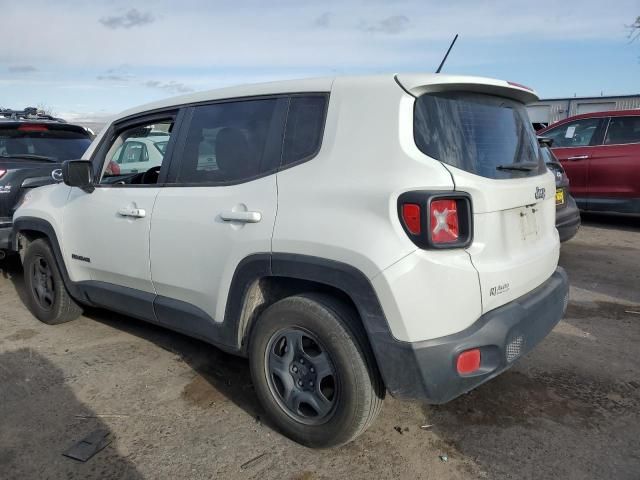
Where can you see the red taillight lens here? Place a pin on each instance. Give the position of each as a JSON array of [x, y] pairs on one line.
[[445, 227], [411, 217], [2, 172], [33, 128], [468, 361]]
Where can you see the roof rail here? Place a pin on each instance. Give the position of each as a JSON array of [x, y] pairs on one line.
[[29, 113]]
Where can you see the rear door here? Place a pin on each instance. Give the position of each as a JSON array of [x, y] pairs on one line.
[[614, 168], [573, 145], [219, 208], [489, 146]]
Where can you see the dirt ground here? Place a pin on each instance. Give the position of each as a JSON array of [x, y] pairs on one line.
[[178, 408]]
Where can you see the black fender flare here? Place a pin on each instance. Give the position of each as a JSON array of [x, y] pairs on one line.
[[36, 224]]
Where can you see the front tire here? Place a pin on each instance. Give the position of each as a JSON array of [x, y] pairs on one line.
[[313, 370], [47, 297]]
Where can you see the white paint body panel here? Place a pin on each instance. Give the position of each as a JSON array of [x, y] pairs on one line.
[[118, 246], [194, 253]]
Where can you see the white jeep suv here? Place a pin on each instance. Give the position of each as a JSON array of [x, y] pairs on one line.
[[350, 235]]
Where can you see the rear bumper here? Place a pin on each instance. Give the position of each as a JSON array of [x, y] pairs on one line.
[[568, 220], [427, 370]]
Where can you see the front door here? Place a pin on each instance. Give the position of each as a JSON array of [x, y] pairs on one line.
[[220, 209], [572, 145], [106, 232]]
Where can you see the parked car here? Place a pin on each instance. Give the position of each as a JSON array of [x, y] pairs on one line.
[[601, 155], [32, 148], [347, 247], [567, 213], [140, 153]]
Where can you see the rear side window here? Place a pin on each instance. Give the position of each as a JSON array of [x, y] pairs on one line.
[[483, 134], [581, 133], [42, 142], [305, 125], [623, 130], [232, 141]]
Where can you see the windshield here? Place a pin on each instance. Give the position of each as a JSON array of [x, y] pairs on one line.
[[483, 134], [55, 145]]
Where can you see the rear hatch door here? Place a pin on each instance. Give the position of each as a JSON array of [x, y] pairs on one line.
[[481, 133]]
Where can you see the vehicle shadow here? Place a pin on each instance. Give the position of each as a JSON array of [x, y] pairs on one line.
[[225, 374], [40, 417], [617, 222], [219, 373]]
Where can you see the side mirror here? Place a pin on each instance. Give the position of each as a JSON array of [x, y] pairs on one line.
[[78, 173], [545, 141]]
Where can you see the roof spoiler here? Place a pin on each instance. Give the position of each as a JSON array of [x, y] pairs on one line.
[[419, 84]]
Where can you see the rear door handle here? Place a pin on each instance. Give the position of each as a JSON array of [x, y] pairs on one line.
[[578, 157], [132, 212], [246, 217]]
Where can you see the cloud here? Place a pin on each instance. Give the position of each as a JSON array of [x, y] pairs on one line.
[[131, 18], [116, 74], [21, 69], [391, 25], [171, 86], [113, 78], [323, 20]]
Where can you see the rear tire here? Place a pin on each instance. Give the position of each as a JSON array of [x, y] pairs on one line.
[[47, 297], [313, 370]]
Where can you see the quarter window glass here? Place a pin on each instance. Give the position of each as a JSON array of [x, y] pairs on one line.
[[623, 130], [134, 152], [574, 134], [305, 124], [229, 142]]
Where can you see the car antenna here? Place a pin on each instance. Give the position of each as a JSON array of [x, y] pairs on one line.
[[447, 54]]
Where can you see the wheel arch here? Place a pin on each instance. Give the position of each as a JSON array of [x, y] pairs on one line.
[[261, 280], [32, 228]]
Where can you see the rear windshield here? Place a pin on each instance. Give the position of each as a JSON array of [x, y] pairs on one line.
[[55, 145], [483, 134]]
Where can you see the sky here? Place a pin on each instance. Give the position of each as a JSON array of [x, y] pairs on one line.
[[87, 60]]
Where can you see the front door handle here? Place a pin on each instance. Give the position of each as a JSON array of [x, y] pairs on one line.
[[578, 157], [245, 217], [132, 212]]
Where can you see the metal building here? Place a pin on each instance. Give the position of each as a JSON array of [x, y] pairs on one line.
[[551, 110]]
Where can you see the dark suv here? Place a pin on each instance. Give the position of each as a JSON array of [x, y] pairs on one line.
[[32, 148]]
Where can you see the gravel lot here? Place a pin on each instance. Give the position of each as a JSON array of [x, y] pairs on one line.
[[178, 408]]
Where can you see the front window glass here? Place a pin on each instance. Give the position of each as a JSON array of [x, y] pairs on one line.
[[574, 134], [136, 152]]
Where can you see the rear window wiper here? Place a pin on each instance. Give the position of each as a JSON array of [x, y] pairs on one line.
[[521, 167], [29, 156]]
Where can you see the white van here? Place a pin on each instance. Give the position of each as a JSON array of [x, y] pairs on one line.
[[352, 236]]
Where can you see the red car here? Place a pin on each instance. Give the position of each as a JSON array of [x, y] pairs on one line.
[[601, 155]]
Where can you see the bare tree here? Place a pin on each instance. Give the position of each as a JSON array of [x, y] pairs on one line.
[[45, 108], [634, 30]]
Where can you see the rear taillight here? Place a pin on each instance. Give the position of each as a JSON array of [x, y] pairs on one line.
[[445, 227], [2, 172], [411, 216], [436, 220]]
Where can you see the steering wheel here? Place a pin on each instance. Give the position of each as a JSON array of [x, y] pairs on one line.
[[151, 176]]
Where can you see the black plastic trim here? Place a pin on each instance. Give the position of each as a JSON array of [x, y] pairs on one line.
[[42, 226]]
